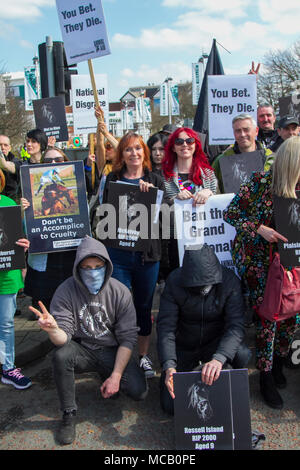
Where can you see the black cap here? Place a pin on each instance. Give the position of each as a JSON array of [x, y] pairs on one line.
[[286, 120], [169, 128]]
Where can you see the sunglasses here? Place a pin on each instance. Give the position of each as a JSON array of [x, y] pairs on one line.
[[188, 141], [54, 159], [108, 147]]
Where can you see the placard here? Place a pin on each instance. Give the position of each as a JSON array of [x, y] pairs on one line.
[[11, 255], [83, 29], [237, 169], [57, 219], [83, 102], [287, 221], [50, 116], [228, 96], [215, 417], [205, 224], [132, 214]]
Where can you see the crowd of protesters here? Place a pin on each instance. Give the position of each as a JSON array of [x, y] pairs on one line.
[[95, 302]]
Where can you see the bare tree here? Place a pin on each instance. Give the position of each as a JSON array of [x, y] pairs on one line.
[[281, 70], [14, 120]]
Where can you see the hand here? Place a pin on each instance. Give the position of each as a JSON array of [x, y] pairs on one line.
[[51, 141], [202, 196], [211, 371], [111, 386], [90, 160], [24, 203], [144, 186], [169, 381], [24, 243], [102, 128], [270, 234], [253, 70], [184, 195], [99, 113], [45, 321]]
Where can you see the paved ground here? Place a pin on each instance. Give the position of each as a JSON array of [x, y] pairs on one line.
[[29, 418]]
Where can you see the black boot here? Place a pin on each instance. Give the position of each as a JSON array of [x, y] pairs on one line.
[[277, 373], [269, 391], [67, 432]]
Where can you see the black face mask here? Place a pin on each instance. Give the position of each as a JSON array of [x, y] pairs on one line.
[[200, 290]]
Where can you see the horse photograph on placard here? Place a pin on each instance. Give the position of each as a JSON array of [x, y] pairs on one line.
[[54, 191]]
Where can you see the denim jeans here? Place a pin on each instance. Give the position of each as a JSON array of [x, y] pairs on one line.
[[8, 307], [73, 357], [139, 276]]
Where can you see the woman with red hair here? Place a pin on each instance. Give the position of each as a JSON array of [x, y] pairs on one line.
[[136, 269], [187, 174]]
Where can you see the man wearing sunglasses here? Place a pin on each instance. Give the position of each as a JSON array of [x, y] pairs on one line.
[[245, 131]]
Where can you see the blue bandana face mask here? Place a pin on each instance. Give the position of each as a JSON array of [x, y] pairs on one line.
[[93, 279]]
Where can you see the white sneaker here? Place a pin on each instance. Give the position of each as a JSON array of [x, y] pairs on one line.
[[146, 365]]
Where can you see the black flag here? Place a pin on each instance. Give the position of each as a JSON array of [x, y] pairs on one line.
[[213, 67]]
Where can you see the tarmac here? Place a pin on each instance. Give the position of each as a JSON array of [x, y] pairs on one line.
[[280, 427]]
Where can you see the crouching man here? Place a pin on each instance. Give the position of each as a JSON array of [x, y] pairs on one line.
[[93, 326], [200, 321]]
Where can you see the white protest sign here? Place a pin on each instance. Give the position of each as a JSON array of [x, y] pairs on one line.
[[228, 96], [83, 29], [205, 224], [83, 102]]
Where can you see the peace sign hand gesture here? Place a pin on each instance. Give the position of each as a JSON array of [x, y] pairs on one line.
[[46, 321]]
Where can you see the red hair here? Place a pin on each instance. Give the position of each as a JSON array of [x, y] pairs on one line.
[[200, 160], [124, 142]]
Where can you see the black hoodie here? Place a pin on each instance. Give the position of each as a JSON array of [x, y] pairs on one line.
[[104, 319], [189, 320]]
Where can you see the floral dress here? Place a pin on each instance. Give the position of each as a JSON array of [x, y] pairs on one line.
[[251, 207]]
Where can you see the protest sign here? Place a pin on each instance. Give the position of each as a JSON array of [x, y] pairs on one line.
[[131, 217], [11, 255], [214, 417], [287, 221], [83, 102], [50, 116], [237, 168], [57, 219], [289, 105], [228, 96], [83, 29], [205, 224]]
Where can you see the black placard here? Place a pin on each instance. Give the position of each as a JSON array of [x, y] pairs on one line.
[[215, 417], [58, 218], [287, 221], [237, 169], [50, 116], [11, 255], [133, 214]]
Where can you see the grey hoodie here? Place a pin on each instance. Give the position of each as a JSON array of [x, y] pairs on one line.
[[105, 319]]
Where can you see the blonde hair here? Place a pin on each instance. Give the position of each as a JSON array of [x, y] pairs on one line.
[[286, 168]]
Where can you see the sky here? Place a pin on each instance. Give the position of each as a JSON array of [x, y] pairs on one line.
[[154, 39]]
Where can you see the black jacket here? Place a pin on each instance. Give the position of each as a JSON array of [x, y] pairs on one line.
[[154, 250], [188, 320], [12, 180]]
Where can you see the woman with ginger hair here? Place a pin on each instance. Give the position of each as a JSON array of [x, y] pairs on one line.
[[137, 270]]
